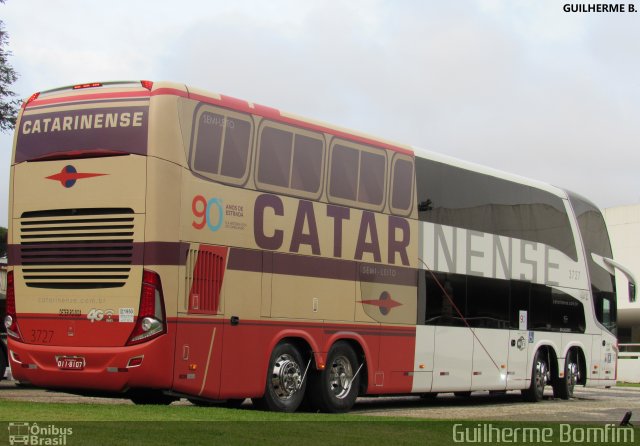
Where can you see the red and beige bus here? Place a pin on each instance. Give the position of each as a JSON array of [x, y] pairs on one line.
[[169, 242]]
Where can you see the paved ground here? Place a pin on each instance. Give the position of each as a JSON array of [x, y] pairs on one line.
[[589, 405]]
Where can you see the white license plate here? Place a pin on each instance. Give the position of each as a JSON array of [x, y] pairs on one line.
[[70, 362]]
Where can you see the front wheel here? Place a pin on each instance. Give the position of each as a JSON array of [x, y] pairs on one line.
[[539, 378], [284, 389], [335, 388]]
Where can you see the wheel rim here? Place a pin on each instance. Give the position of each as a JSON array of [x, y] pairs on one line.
[[541, 376], [340, 377], [572, 375], [286, 377]]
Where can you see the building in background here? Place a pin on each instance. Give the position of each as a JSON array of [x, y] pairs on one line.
[[624, 229]]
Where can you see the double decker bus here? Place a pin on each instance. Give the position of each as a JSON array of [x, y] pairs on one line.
[[169, 242]]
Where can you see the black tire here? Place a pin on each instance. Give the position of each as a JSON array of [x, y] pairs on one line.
[[150, 397], [539, 377], [4, 361], [563, 387], [284, 387], [335, 388]]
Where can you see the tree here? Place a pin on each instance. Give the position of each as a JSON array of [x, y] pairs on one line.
[[8, 105], [3, 242]]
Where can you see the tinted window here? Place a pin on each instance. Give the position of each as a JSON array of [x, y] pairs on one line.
[[275, 157], [540, 313], [236, 148], [487, 302], [307, 164], [458, 197], [290, 160], [222, 146], [401, 189], [519, 302], [344, 172], [567, 313], [372, 176], [595, 237], [440, 304], [209, 143]]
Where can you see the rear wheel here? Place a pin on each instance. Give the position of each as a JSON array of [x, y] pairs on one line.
[[335, 388], [563, 387], [284, 389], [539, 379]]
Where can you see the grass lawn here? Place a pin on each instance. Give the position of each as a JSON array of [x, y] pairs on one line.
[[167, 425], [620, 384]]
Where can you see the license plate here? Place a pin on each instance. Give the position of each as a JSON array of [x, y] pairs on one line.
[[70, 362]]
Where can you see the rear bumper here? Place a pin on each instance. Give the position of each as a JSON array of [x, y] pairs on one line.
[[106, 368]]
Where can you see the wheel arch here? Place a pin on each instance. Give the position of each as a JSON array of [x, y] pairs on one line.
[[579, 349]]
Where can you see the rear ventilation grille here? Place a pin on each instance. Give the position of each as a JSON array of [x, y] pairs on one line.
[[78, 248], [205, 271]]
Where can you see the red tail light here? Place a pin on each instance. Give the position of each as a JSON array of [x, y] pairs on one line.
[[147, 84], [10, 320], [151, 316], [89, 85]]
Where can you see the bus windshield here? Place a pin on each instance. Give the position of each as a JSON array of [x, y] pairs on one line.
[[596, 241]]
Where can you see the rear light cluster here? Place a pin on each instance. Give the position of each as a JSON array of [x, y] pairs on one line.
[[148, 85], [10, 320], [89, 85], [151, 315]]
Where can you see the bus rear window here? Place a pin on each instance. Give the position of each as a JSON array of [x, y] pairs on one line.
[[52, 132]]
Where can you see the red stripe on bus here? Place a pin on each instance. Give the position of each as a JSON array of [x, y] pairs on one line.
[[275, 114], [86, 97]]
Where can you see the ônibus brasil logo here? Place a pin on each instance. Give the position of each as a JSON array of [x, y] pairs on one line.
[[69, 175]]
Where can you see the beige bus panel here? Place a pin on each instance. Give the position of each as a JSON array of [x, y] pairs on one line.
[[119, 185], [300, 297], [165, 137], [241, 294], [236, 224], [163, 200]]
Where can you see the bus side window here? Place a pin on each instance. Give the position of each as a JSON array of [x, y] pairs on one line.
[[290, 161], [519, 301], [443, 292], [401, 185], [358, 176], [222, 145]]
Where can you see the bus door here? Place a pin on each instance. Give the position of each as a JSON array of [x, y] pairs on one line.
[[488, 316], [453, 344], [519, 336]]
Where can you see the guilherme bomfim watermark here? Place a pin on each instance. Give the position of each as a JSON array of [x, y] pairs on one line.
[[32, 434], [564, 433]]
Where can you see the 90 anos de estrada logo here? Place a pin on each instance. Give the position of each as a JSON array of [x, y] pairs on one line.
[[33, 434]]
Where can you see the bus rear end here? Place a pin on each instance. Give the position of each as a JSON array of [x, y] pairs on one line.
[[82, 311]]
